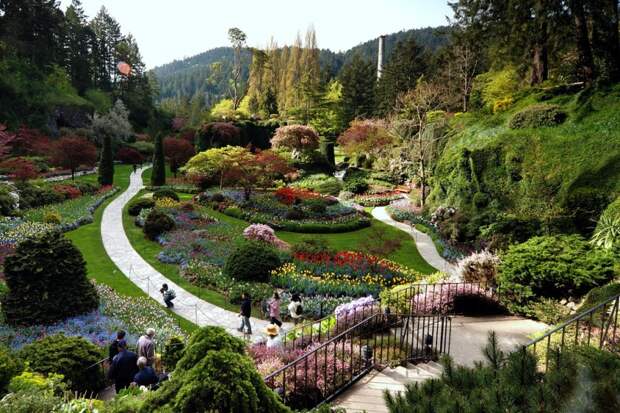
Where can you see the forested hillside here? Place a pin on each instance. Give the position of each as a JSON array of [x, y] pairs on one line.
[[206, 76]]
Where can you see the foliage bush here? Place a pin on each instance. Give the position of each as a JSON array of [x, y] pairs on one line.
[[294, 214], [607, 232], [52, 269], [157, 222], [312, 246], [165, 193], [10, 366], [7, 202], [599, 295], [552, 267], [205, 340], [357, 186], [251, 261], [223, 381], [582, 381], [70, 356], [321, 183], [52, 217], [586, 206], [173, 351], [138, 205], [537, 116]]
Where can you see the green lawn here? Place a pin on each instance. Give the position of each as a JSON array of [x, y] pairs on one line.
[[407, 254], [99, 266]]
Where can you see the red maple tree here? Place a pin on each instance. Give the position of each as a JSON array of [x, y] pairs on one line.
[[71, 152], [178, 152]]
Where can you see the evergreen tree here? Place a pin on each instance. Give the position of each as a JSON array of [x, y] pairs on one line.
[[158, 177], [293, 76], [107, 37], [407, 63], [106, 162], [79, 40], [359, 83]]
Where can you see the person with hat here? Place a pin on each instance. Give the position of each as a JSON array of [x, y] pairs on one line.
[[273, 336]]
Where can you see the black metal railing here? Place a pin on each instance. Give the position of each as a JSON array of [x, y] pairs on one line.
[[597, 327], [416, 299], [380, 339]]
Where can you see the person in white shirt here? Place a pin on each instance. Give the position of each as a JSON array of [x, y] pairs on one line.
[[295, 309]]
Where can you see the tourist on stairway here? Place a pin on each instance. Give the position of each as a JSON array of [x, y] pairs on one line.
[[146, 346], [124, 367]]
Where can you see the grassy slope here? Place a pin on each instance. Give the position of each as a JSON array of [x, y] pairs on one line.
[[584, 151], [99, 266]]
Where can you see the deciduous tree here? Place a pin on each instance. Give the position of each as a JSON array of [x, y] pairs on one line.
[[72, 151], [297, 138], [178, 152]]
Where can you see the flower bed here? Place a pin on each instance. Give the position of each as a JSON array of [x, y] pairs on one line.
[[310, 278], [289, 209], [380, 199], [72, 213], [134, 315]]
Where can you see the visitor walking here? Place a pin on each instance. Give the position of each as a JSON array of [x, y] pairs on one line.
[[146, 346], [295, 309], [135, 168], [245, 313], [146, 376], [124, 367], [113, 349], [274, 309], [273, 336], [168, 295]]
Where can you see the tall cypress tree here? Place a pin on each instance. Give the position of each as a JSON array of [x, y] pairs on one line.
[[158, 177], [106, 163]]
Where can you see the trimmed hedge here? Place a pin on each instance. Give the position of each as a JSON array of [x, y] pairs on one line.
[[205, 340], [69, 356], [251, 261], [537, 116], [157, 222], [165, 193], [138, 205], [46, 278]]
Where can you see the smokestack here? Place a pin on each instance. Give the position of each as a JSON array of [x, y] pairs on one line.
[[380, 56]]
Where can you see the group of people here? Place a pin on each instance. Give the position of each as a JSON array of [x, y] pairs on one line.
[[133, 368], [295, 310]]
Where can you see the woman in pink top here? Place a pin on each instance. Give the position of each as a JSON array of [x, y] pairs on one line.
[[274, 310]]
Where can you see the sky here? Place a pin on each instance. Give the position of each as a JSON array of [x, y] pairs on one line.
[[173, 29]]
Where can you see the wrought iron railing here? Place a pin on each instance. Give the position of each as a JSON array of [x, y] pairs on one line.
[[328, 368], [597, 327], [416, 299]]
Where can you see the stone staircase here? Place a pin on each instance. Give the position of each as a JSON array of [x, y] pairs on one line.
[[367, 394]]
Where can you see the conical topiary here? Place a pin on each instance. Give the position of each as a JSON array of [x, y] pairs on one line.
[[46, 278]]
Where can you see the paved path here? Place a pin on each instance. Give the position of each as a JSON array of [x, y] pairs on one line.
[[146, 277], [425, 244]]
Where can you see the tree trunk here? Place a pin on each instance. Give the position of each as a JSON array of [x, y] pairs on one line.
[[540, 58], [73, 174], [584, 50]]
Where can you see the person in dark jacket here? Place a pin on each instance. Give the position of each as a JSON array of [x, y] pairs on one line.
[[146, 376], [246, 313], [113, 350], [124, 367]]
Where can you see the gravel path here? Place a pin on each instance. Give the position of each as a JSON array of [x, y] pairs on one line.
[[146, 277], [425, 244]]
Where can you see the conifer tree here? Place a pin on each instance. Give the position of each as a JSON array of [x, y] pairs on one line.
[[106, 162], [358, 80], [158, 177]]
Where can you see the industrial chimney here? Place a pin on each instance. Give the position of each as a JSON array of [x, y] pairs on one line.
[[380, 56]]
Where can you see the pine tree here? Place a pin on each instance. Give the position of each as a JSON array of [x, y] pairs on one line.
[[107, 37], [78, 42], [407, 63], [158, 177], [359, 82]]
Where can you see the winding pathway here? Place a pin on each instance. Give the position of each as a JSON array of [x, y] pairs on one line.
[[141, 273], [425, 243]]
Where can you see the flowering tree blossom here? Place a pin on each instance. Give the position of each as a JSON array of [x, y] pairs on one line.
[[296, 138]]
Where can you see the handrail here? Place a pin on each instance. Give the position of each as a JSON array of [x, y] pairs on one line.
[[575, 318]]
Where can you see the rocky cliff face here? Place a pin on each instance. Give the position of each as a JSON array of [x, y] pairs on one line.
[[66, 116]]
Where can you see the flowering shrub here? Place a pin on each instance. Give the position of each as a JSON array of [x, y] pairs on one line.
[[355, 310], [442, 213], [68, 191], [478, 267], [375, 200], [442, 300], [166, 203], [288, 195], [15, 230], [264, 233]]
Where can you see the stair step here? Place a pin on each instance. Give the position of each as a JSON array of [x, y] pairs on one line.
[[436, 365], [432, 370]]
